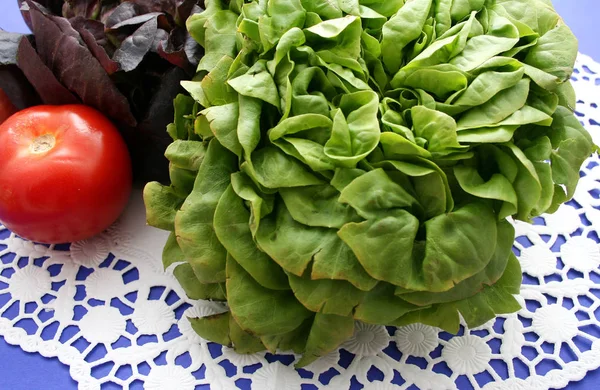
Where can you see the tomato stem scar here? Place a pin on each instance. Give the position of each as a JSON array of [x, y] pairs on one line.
[[42, 144]]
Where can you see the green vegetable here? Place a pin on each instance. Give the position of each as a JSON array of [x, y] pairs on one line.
[[358, 160]]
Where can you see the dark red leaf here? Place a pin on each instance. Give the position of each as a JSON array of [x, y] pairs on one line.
[[173, 49], [7, 108], [17, 87], [193, 51], [166, 6], [106, 11], [134, 48], [136, 20], [166, 22], [94, 27], [185, 8], [50, 90], [89, 9], [79, 24], [52, 6], [151, 138], [161, 35], [65, 27], [77, 68], [123, 12], [12, 79], [176, 57]]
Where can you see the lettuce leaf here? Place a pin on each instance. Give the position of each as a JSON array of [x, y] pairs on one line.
[[363, 161]]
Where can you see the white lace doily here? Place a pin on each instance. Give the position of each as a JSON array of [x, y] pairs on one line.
[[107, 309]]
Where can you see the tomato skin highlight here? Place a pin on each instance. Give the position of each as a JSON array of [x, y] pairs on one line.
[[65, 173]]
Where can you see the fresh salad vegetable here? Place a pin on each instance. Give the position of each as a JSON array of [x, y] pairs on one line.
[[361, 160], [124, 58], [65, 173]]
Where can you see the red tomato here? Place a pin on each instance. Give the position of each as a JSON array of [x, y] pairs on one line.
[[6, 107], [65, 173]]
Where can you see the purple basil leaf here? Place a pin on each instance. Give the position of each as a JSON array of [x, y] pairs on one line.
[[136, 20], [65, 27], [151, 136], [89, 9], [53, 6], [47, 6], [106, 11], [173, 49], [184, 9], [166, 6], [125, 11], [161, 35], [50, 90], [160, 110], [193, 51], [94, 27], [166, 22], [134, 48], [94, 46], [19, 90], [175, 57], [77, 68]]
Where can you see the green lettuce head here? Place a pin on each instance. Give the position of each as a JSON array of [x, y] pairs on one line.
[[358, 161]]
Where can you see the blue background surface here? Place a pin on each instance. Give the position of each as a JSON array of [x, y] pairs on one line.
[[24, 371]]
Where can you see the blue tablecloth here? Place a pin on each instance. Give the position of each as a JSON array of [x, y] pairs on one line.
[[23, 371]]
